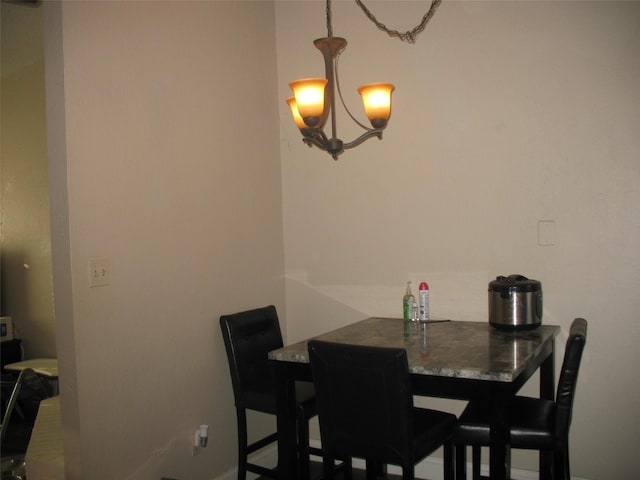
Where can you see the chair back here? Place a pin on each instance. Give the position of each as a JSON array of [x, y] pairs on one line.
[[569, 377], [248, 338], [365, 401]]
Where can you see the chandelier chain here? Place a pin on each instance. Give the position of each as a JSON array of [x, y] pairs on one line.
[[408, 36]]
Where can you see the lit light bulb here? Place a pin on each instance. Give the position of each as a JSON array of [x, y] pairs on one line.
[[376, 98], [309, 98]]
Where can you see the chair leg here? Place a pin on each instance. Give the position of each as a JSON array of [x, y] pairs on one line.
[[328, 468], [561, 465], [242, 444], [449, 460], [373, 469], [476, 460], [461, 462], [348, 469], [408, 472], [303, 448]]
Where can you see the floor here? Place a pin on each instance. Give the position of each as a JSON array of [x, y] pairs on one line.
[[14, 448], [316, 474]]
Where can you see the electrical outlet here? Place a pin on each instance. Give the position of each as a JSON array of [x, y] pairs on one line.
[[99, 273]]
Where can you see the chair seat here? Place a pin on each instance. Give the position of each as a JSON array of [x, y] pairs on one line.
[[432, 428], [532, 424], [306, 399], [266, 402]]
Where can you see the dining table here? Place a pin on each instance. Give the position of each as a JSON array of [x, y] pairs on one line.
[[464, 360]]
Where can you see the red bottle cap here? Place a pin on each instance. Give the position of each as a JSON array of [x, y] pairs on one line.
[[423, 286]]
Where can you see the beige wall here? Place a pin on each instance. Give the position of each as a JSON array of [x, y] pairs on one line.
[[163, 144], [25, 251], [505, 114]]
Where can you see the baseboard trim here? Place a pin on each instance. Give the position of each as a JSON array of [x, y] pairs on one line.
[[267, 457]]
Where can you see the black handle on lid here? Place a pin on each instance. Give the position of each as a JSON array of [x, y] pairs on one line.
[[516, 277]]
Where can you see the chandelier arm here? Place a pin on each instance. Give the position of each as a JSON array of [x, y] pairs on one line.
[[365, 136], [311, 141], [344, 105], [408, 36], [315, 136]]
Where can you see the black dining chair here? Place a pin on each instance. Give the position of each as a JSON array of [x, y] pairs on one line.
[[536, 424], [21, 397], [365, 409], [248, 338]]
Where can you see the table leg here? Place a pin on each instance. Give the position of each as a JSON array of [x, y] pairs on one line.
[[547, 376], [375, 469], [547, 390], [286, 422], [500, 449]]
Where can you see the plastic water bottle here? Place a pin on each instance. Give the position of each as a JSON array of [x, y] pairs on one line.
[[407, 301], [414, 311]]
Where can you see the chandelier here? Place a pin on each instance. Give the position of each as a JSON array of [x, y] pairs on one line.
[[314, 99]]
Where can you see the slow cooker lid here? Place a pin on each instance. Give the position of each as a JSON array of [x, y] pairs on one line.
[[514, 283]]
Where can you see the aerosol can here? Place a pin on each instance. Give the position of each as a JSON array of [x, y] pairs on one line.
[[423, 301]]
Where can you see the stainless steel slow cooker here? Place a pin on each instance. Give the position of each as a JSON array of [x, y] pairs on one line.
[[515, 302]]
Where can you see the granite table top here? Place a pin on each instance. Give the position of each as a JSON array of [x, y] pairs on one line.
[[460, 349]]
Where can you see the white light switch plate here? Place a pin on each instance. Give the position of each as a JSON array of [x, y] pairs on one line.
[[99, 274]]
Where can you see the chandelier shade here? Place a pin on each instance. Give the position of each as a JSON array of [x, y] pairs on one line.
[[309, 99], [377, 102], [297, 119]]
